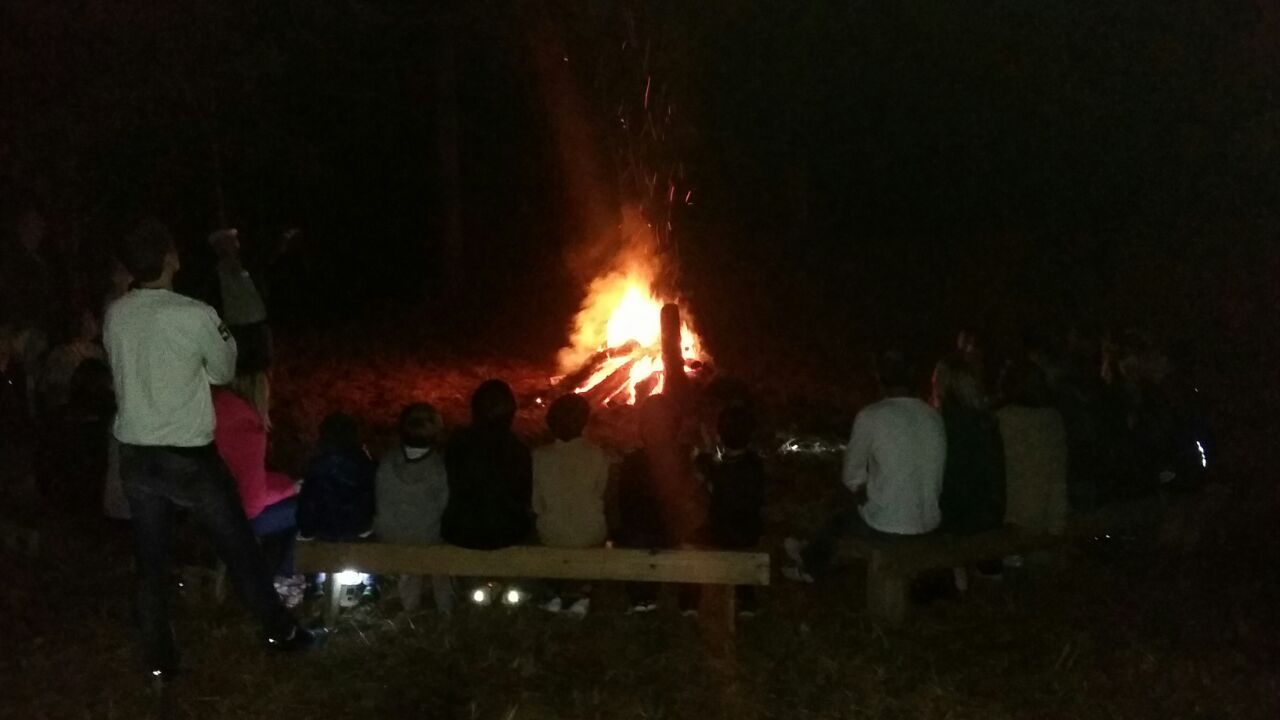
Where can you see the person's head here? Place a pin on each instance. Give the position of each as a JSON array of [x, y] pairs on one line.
[[956, 384], [1024, 383], [255, 389], [120, 279], [893, 373], [493, 405], [659, 424], [420, 426], [338, 431], [225, 243], [735, 427], [83, 326], [567, 417], [149, 254]]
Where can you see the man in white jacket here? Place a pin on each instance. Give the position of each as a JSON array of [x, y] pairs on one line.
[[165, 350]]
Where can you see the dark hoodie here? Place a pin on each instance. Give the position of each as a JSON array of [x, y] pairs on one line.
[[490, 477], [337, 502]]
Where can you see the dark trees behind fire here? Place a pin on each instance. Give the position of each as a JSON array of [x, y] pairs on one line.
[[876, 165]]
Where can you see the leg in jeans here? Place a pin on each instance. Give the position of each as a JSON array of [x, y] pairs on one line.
[[276, 526], [411, 592], [821, 550], [216, 508], [152, 526], [443, 593]]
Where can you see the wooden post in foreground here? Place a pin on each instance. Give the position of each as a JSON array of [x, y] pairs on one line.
[[672, 354]]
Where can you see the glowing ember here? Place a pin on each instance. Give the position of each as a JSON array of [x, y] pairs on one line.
[[615, 349]]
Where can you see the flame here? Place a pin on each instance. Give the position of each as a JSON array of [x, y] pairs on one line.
[[621, 317]]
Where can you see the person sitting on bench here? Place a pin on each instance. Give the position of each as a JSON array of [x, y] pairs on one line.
[[337, 502], [412, 490], [490, 476], [736, 483], [569, 481], [893, 466], [1035, 450]]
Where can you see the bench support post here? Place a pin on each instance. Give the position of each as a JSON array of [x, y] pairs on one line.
[[717, 615], [887, 591], [333, 598]]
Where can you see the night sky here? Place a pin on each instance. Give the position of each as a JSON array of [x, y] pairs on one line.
[[886, 171]]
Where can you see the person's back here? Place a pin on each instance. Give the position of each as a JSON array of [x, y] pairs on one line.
[[736, 484], [898, 450], [490, 476], [569, 480], [1035, 450], [411, 494], [337, 500], [972, 498]]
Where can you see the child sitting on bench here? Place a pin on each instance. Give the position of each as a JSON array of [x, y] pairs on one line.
[[736, 481], [569, 481], [412, 490], [336, 503]]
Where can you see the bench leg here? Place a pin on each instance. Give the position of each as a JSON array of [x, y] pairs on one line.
[[887, 592], [333, 605], [717, 615]]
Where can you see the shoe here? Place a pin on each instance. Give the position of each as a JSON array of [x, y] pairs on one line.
[[797, 574], [162, 679], [554, 605], [746, 614], [794, 549], [642, 607], [580, 607], [299, 639], [690, 613]]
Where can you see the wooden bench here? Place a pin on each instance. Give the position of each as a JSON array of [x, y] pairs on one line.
[[718, 572], [892, 564]]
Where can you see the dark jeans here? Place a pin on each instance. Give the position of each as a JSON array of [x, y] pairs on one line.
[[821, 549], [277, 527], [158, 481]]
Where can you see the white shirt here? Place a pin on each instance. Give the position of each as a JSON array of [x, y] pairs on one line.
[[898, 451], [165, 350]]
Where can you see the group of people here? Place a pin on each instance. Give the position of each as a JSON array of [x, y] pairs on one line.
[[185, 386], [1055, 437]]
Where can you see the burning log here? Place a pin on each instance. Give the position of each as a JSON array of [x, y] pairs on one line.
[[614, 383], [675, 381], [577, 378]]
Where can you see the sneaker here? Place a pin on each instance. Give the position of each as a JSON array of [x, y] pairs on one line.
[[554, 605], [746, 614], [797, 574], [690, 612], [299, 638], [580, 607], [794, 549], [642, 607]]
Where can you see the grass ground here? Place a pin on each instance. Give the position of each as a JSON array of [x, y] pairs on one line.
[[1117, 630]]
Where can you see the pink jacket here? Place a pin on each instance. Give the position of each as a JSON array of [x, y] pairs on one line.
[[241, 439]]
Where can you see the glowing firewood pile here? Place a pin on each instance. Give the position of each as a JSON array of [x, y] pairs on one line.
[[627, 345]]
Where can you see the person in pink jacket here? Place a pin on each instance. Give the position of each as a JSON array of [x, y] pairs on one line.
[[269, 498]]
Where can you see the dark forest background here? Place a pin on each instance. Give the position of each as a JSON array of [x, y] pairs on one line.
[[862, 172]]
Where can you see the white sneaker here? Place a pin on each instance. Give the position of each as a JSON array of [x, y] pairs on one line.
[[795, 574], [746, 614], [553, 605], [642, 607], [580, 607], [689, 613], [793, 547]]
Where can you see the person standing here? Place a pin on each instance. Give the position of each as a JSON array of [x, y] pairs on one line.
[[237, 295], [165, 350]]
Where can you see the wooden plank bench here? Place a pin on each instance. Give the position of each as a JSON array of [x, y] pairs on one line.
[[718, 572], [892, 564]]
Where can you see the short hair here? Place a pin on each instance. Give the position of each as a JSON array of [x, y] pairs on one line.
[[735, 426], [338, 431], [568, 416], [892, 370], [420, 420], [493, 403], [145, 249], [1024, 383]]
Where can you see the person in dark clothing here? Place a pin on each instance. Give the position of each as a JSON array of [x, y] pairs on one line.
[[972, 498], [490, 476], [337, 500], [736, 482]]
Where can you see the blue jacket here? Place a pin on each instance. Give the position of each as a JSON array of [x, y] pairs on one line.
[[337, 498]]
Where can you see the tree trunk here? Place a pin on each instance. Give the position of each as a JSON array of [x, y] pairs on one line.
[[453, 272]]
